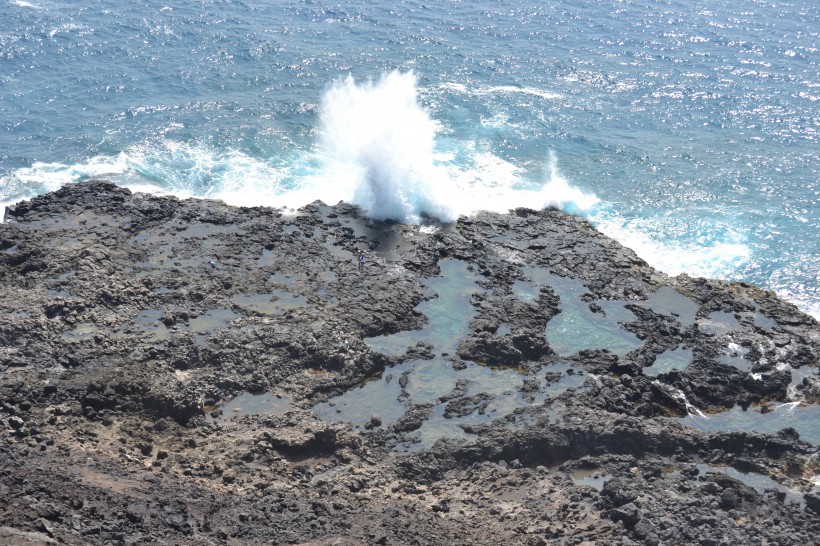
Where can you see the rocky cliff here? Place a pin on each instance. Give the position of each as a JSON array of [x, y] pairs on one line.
[[507, 379]]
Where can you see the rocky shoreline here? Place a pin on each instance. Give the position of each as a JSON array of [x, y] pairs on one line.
[[507, 379]]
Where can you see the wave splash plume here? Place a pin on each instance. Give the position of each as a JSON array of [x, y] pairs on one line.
[[379, 146], [379, 143]]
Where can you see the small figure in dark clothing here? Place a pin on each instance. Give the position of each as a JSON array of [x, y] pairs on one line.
[[361, 261]]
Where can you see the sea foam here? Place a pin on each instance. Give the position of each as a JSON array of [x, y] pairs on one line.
[[378, 148], [379, 145], [719, 255]]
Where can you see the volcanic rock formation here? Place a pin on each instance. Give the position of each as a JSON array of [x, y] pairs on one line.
[[185, 372]]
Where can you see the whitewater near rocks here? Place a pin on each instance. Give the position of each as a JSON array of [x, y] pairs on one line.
[[688, 133], [184, 371]]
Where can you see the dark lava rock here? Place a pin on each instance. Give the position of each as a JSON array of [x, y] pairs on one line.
[[729, 499], [134, 328], [628, 514], [812, 502], [413, 419], [618, 492]]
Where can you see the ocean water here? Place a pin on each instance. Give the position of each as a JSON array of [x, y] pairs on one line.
[[687, 130]]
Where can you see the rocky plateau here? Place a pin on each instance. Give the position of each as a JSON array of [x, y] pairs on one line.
[[186, 372]]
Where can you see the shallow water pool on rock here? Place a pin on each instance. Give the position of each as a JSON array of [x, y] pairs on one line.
[[670, 360], [577, 327], [735, 356], [339, 252], [764, 322], [719, 322], [454, 398], [208, 230], [150, 322], [276, 302], [377, 397], [275, 258], [81, 332], [212, 320], [432, 399], [254, 404], [807, 374], [492, 393], [594, 477], [449, 313], [804, 419], [62, 294], [758, 482], [668, 301], [590, 477]]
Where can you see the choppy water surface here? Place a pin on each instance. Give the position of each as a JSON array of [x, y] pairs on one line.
[[688, 131]]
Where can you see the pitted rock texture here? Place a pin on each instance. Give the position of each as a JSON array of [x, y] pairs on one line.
[[128, 321]]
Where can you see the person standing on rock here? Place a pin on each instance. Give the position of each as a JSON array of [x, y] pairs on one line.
[[361, 260]]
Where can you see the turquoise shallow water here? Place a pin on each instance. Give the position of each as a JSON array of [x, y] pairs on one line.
[[686, 130]]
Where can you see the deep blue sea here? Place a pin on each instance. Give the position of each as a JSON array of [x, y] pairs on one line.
[[687, 130]]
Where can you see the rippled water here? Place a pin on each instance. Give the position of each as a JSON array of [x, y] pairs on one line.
[[694, 125], [805, 420]]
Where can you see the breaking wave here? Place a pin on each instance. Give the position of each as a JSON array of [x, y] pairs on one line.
[[711, 250], [377, 148], [380, 145]]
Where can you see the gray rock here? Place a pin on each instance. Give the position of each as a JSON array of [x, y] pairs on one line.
[[729, 499], [628, 514], [119, 340]]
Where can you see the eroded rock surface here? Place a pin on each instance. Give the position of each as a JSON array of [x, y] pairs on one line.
[[508, 379]]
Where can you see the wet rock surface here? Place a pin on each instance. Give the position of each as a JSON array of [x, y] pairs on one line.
[[450, 391]]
